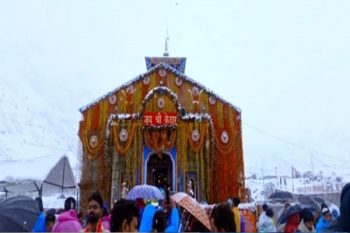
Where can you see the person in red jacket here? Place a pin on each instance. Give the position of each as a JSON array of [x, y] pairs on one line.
[[292, 223]]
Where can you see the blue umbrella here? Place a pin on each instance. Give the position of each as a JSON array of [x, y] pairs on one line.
[[288, 212], [147, 192]]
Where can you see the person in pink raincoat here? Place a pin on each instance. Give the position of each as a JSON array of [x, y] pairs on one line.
[[67, 222]]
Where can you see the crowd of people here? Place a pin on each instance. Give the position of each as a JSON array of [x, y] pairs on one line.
[[137, 216], [297, 219]]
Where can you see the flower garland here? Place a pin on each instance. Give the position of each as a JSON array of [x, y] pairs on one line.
[[119, 148], [196, 145], [99, 136]]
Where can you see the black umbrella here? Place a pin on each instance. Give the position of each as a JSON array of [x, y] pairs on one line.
[[288, 212], [281, 195], [18, 214], [307, 201]]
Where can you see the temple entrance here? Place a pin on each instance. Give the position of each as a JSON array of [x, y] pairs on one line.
[[160, 171]]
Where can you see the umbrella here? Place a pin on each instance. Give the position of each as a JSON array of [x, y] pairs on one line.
[[307, 201], [281, 195], [192, 206], [147, 192], [288, 212], [18, 214]]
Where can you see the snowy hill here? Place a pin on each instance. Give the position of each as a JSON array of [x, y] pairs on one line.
[[39, 123]]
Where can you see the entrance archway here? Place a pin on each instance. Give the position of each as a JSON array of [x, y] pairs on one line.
[[160, 171]]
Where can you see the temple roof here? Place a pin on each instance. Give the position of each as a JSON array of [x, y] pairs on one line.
[[152, 69]]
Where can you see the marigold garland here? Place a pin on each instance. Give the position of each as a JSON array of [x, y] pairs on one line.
[[93, 152], [196, 146], [119, 148]]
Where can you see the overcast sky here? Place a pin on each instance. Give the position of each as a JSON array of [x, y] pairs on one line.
[[285, 64]]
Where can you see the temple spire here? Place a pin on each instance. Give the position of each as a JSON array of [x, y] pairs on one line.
[[166, 53], [178, 63]]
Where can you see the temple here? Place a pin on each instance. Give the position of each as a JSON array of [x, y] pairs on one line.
[[165, 129]]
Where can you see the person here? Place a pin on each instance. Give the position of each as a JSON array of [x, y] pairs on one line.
[[106, 218], [68, 220], [317, 215], [307, 221], [173, 219], [50, 220], [146, 224], [235, 202], [267, 223], [280, 226], [124, 216], [222, 219], [293, 222], [95, 208], [159, 221], [69, 204], [141, 205], [39, 225], [263, 217], [343, 222], [325, 222]]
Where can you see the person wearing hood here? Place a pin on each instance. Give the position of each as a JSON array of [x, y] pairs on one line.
[[68, 220], [325, 223], [307, 221]]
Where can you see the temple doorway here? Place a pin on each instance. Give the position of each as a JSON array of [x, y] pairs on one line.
[[160, 171]]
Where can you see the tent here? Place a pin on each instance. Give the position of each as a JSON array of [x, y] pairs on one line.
[[61, 175]]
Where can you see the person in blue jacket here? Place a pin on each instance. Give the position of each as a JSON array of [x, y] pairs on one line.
[[40, 225], [160, 219], [324, 224]]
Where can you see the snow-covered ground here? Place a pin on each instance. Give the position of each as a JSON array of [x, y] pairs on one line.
[[262, 188]]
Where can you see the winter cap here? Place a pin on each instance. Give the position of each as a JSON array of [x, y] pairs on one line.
[[325, 210]]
